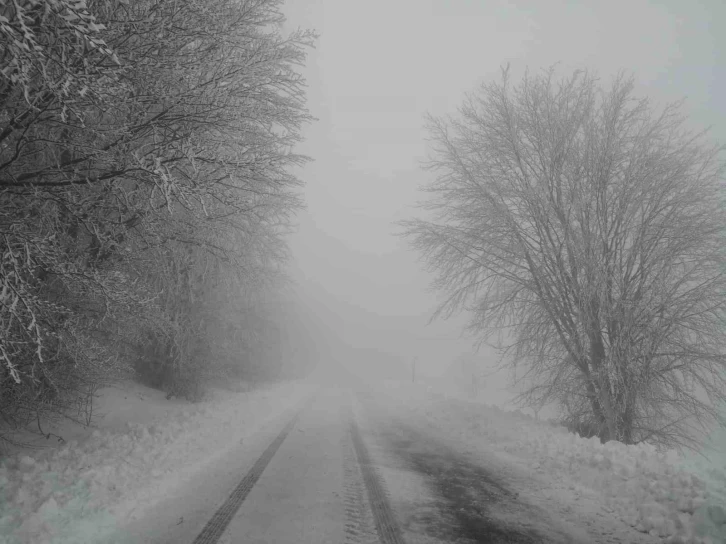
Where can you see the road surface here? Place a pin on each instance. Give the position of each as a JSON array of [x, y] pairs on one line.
[[343, 469]]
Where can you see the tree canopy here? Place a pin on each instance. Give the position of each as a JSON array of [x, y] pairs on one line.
[[147, 155], [587, 227]]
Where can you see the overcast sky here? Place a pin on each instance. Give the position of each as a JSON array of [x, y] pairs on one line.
[[380, 65]]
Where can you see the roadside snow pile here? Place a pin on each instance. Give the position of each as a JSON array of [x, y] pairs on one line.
[[84, 488], [681, 499], [644, 488]]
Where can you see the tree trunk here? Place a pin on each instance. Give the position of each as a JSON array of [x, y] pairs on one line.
[[597, 358]]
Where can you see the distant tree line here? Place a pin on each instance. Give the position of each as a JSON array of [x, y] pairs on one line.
[[146, 150]]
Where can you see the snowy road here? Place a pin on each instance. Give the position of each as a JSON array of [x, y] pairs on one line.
[[395, 464], [299, 496], [344, 470]]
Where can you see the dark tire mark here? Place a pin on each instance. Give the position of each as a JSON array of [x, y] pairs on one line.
[[216, 526], [385, 522]]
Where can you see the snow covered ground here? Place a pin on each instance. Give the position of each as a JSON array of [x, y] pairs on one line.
[[143, 447], [666, 496]]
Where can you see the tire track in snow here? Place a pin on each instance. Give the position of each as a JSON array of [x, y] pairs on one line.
[[216, 526], [359, 526], [384, 520]]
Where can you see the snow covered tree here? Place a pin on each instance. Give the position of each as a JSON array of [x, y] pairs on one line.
[[146, 150], [585, 227]]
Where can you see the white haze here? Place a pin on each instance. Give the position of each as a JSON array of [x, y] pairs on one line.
[[378, 67]]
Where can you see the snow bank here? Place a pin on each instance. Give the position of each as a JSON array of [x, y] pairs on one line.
[[679, 498], [646, 489], [77, 492]]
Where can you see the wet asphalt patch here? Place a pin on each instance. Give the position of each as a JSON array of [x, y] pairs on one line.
[[470, 497], [472, 504]]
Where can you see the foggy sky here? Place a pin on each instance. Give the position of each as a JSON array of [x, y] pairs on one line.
[[380, 65]]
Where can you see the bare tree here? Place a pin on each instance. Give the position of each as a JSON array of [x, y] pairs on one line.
[[588, 228]]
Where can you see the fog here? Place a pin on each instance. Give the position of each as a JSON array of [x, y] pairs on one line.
[[378, 67]]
